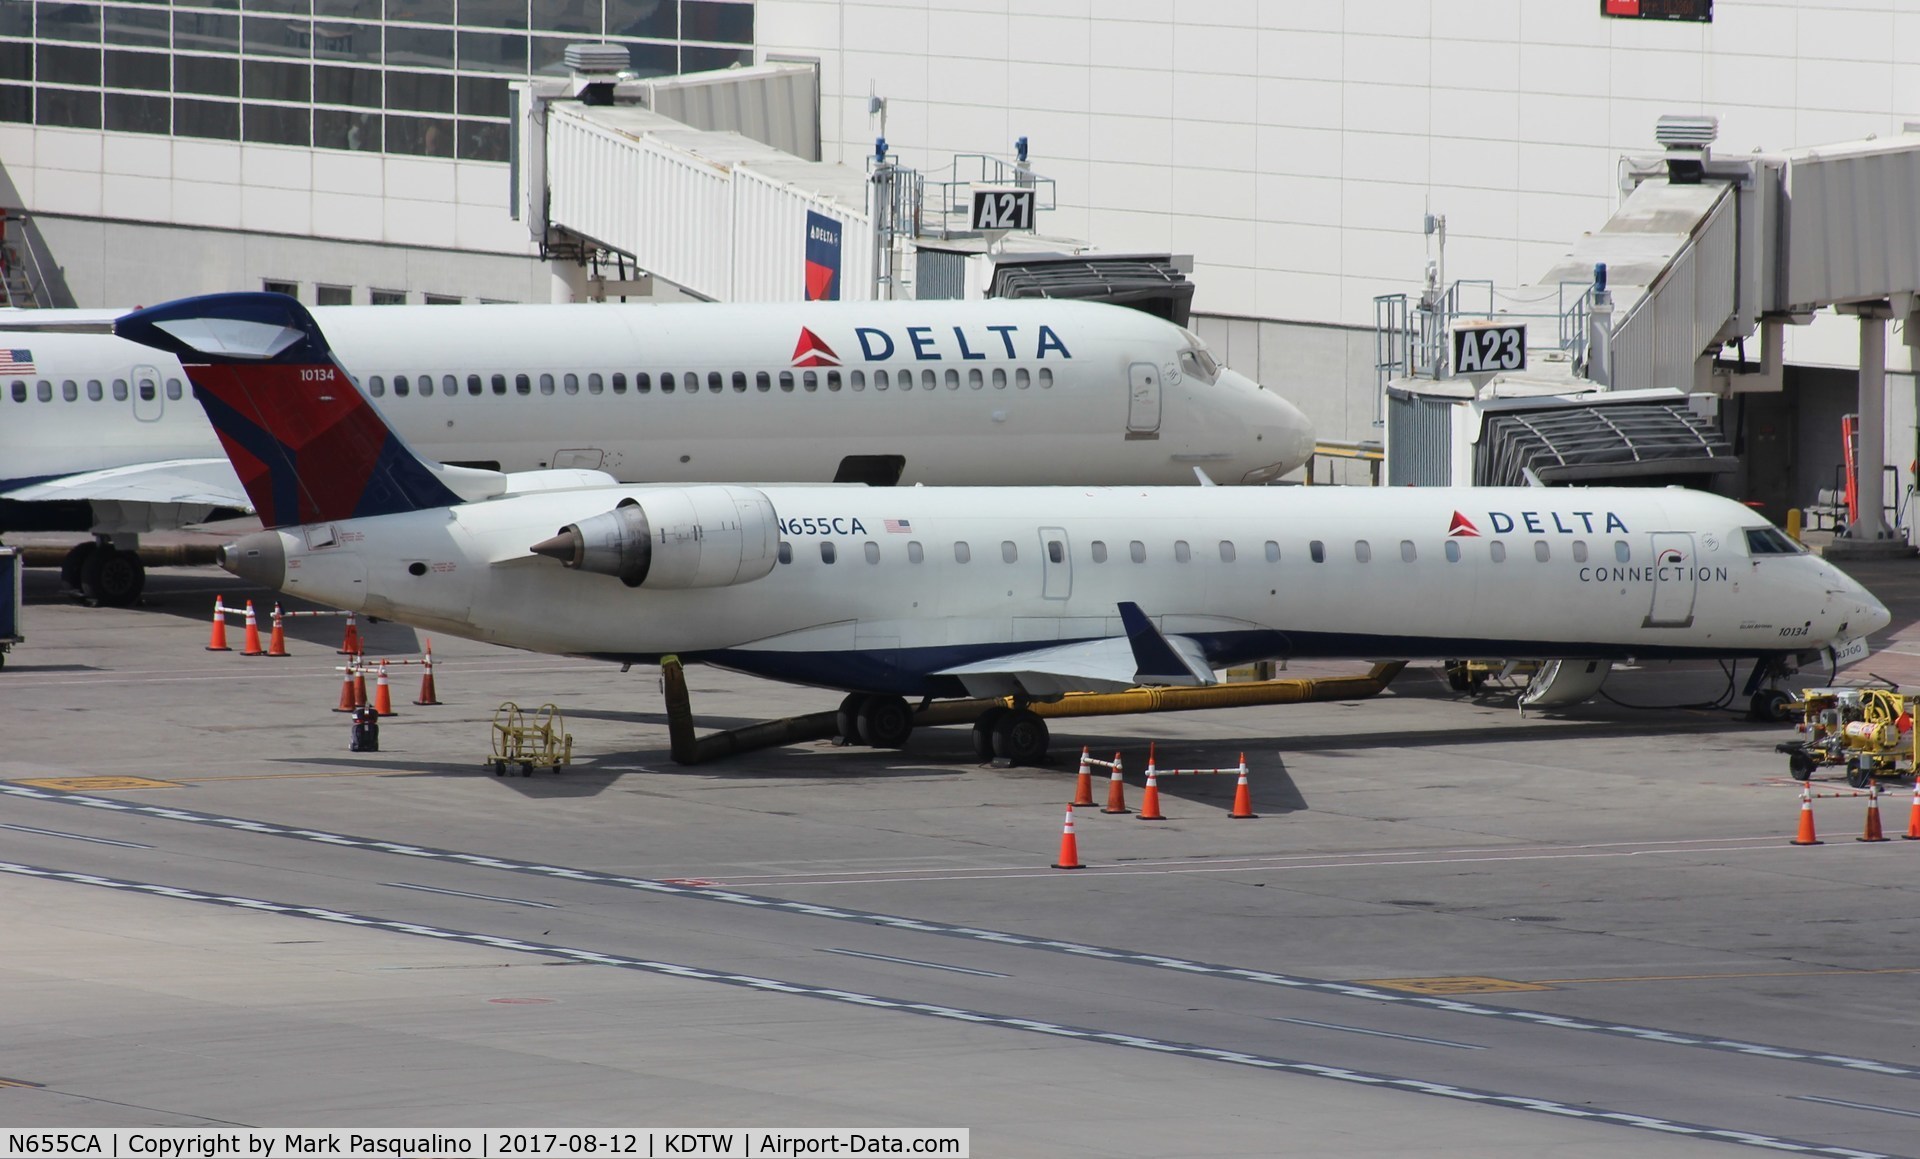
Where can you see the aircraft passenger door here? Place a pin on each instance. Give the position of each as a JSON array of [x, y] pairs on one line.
[[1143, 398], [1056, 562], [1674, 569], [148, 402]]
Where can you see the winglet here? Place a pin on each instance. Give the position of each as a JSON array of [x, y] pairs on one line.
[[306, 445], [1157, 661]]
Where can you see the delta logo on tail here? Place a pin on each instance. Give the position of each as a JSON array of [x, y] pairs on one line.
[[812, 350], [1462, 526]]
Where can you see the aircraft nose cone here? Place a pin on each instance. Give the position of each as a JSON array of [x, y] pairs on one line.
[[260, 558], [1872, 616]]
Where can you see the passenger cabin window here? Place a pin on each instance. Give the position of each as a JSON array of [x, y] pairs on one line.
[[1056, 551], [473, 384], [833, 380], [961, 552], [1046, 378], [879, 380], [499, 383], [1770, 541], [1579, 551], [522, 384], [914, 552], [119, 390], [666, 383], [571, 383], [546, 384], [1453, 551], [94, 392], [19, 391], [1497, 551], [1020, 377], [953, 379], [927, 379], [595, 385], [739, 381], [619, 383], [1137, 551], [1540, 550], [642, 382], [872, 552], [401, 387], [1362, 551], [1273, 552], [762, 381], [786, 380], [1317, 551], [1181, 552], [1226, 551], [974, 379], [1008, 552], [826, 552], [999, 378], [1099, 551], [857, 379], [174, 389], [1621, 551], [1407, 551], [376, 386], [70, 390], [714, 382], [809, 380], [786, 552]]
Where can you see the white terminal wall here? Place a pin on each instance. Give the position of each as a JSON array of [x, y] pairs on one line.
[[1294, 147]]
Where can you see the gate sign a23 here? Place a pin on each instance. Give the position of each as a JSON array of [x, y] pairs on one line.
[[1482, 349]]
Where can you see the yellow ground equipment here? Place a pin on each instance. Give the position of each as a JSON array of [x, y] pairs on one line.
[[1868, 731], [537, 739]]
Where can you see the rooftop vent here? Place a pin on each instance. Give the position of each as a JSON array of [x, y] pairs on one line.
[[596, 69], [1686, 139]]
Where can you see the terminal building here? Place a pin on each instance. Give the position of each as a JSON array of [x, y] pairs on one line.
[[1327, 191]]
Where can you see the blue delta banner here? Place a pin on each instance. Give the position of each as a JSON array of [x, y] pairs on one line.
[[823, 258]]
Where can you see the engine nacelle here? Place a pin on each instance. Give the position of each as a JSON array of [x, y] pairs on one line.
[[686, 537]]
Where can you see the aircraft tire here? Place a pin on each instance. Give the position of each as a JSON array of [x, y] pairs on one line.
[[846, 719], [75, 563], [112, 578], [983, 732], [885, 722], [1769, 706], [1020, 737]]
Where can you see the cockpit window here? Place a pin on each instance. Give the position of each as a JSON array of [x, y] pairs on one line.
[[1771, 541], [1196, 361]]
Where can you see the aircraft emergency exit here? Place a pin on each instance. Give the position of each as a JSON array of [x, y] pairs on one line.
[[950, 591], [1001, 391]]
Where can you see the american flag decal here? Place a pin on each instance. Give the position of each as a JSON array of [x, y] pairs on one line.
[[16, 362], [900, 526]]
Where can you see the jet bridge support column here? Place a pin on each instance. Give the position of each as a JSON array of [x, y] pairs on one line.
[[1869, 534]]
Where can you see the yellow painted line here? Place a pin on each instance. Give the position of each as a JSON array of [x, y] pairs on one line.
[[1723, 977], [1463, 984], [298, 776], [98, 784]]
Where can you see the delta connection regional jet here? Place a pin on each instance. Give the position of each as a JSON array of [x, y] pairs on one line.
[[977, 393], [890, 593]]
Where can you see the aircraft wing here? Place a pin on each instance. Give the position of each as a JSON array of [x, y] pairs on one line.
[[202, 482], [1143, 656]]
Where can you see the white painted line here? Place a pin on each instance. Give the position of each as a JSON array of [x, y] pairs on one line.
[[474, 896], [1379, 1033], [918, 962]]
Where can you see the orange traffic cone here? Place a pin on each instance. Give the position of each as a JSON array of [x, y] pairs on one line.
[[359, 682], [1150, 803], [217, 642], [1116, 791], [1873, 832], [350, 643], [1805, 836], [426, 678], [1242, 796], [346, 692], [1083, 784], [1069, 848], [252, 646], [1913, 818], [382, 695], [277, 639]]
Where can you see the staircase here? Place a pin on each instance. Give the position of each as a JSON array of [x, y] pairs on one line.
[[21, 284]]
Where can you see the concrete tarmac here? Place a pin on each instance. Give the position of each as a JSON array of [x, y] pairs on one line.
[[1450, 932]]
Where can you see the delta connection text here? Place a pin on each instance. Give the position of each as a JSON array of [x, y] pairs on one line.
[[344, 1143]]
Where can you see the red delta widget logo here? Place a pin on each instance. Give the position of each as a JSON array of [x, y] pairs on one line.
[[1536, 523]]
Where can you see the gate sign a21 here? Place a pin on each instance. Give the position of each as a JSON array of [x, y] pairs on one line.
[[1002, 207], [1484, 349]]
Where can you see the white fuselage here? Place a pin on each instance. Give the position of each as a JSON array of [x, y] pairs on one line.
[[1248, 573], [961, 392]]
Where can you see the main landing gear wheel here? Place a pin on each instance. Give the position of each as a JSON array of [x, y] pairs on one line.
[[112, 577], [1769, 706], [76, 560], [983, 732], [846, 719], [1020, 738], [884, 721]]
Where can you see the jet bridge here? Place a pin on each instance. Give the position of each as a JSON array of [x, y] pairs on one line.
[[1687, 290]]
